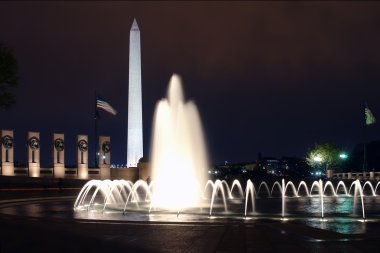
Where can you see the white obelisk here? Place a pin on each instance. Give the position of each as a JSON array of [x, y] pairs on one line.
[[135, 137]]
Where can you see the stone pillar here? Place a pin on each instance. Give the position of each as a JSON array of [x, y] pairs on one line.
[[34, 154], [59, 155], [145, 172], [82, 156], [371, 175], [7, 162], [349, 176], [330, 174], [104, 158], [131, 173]]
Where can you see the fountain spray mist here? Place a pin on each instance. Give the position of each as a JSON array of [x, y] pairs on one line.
[[179, 160]]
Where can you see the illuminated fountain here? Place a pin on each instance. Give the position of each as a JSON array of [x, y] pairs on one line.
[[179, 162], [180, 185], [233, 201]]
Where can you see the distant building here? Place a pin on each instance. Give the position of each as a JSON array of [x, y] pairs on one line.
[[286, 166], [232, 168], [271, 165], [294, 166]]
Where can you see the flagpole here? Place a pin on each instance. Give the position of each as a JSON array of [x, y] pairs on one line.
[[365, 148], [96, 133], [369, 119], [104, 105], [365, 139]]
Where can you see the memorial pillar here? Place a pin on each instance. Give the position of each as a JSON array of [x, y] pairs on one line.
[[7, 162], [59, 155], [34, 154], [104, 158], [330, 174], [371, 175], [82, 156]]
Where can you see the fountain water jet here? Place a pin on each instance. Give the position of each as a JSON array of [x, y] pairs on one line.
[[117, 195], [179, 161]]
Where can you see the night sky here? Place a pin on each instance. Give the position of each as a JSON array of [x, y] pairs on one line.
[[269, 77]]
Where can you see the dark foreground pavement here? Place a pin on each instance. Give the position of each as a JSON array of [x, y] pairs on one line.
[[28, 234]]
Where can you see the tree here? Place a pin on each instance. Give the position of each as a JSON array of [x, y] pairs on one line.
[[8, 76], [324, 155]]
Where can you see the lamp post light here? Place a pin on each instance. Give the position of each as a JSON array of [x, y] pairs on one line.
[[344, 156], [318, 159]]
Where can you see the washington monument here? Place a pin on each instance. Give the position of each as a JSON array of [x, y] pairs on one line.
[[135, 136]]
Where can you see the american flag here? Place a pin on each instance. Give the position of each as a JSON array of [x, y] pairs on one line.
[[369, 118], [102, 104]]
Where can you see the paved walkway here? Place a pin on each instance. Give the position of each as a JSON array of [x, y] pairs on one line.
[[26, 234]]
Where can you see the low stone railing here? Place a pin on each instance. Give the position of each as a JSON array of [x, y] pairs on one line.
[[49, 172], [372, 175]]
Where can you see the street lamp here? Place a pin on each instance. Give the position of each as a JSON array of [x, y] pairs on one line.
[[343, 156], [318, 159]]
